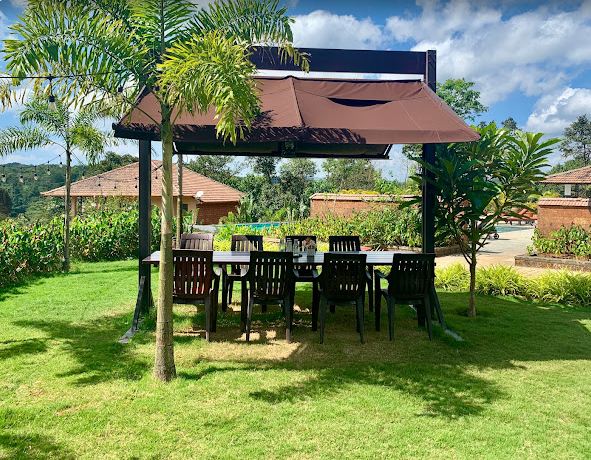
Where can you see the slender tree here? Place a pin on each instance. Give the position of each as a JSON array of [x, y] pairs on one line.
[[44, 125], [189, 58], [479, 182]]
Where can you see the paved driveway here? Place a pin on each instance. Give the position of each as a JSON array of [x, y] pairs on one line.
[[513, 240]]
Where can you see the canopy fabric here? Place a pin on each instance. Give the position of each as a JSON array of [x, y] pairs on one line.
[[314, 116]]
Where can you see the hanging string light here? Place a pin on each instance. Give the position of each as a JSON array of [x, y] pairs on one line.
[[51, 95], [35, 176], [21, 178], [3, 174], [136, 182], [83, 175]]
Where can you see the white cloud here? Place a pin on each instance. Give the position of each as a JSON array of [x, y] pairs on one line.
[[326, 30], [531, 52], [554, 112]]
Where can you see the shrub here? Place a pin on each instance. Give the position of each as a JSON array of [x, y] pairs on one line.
[[452, 278], [500, 280], [563, 287], [572, 241]]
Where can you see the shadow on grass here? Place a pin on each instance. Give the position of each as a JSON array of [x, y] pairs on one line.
[[94, 346], [507, 334], [32, 446]]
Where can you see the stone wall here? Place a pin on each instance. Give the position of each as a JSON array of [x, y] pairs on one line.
[[554, 213], [345, 205]]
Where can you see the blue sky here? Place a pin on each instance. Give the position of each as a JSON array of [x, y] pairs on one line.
[[530, 59]]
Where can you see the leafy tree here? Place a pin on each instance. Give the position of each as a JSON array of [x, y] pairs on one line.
[[5, 203], [110, 161], [343, 174], [296, 177], [461, 96], [265, 166], [189, 58], [480, 181], [576, 143], [510, 124], [216, 167], [43, 125]]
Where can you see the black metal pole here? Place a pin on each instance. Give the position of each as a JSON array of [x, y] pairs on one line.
[[428, 215], [145, 211]]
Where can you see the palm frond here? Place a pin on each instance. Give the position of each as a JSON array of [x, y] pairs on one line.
[[257, 22], [212, 70], [57, 38], [90, 140], [54, 121], [23, 138]]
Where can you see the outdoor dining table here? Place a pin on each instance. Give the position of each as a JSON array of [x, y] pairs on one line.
[[243, 258]]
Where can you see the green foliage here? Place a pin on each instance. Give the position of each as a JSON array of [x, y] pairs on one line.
[[479, 182], [455, 277], [36, 248], [500, 280], [350, 174], [461, 96], [29, 249], [576, 143], [553, 286], [574, 241]]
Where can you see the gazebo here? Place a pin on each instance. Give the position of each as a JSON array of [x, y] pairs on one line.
[[315, 118]]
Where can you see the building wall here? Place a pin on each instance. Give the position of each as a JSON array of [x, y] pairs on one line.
[[209, 213], [554, 213], [344, 205]]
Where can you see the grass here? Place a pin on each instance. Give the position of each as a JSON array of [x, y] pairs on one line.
[[519, 386]]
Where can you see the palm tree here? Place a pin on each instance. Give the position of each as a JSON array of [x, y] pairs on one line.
[[42, 125], [190, 58]]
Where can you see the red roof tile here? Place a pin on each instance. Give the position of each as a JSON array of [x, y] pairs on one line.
[[574, 176], [124, 181]]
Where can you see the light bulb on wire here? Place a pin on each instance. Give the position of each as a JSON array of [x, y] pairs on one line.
[[35, 176]]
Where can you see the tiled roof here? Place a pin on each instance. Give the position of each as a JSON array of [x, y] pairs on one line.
[[574, 176], [574, 202], [124, 182]]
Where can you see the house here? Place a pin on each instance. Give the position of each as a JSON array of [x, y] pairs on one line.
[[216, 201], [554, 213]]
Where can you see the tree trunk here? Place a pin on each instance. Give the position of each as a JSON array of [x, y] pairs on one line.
[[164, 368], [67, 206], [179, 201], [472, 302]]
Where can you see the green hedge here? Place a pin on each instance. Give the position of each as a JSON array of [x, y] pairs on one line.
[[378, 229], [574, 241], [31, 249], [564, 287]]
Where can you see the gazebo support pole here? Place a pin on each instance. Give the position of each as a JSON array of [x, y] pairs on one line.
[[428, 189], [144, 298]]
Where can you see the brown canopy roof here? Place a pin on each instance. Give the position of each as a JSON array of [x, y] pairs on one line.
[[123, 182], [574, 176], [317, 117]]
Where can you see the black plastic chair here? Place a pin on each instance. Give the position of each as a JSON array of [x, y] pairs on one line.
[[196, 281], [351, 243], [240, 243], [197, 241], [270, 281], [342, 281], [306, 274], [410, 282]]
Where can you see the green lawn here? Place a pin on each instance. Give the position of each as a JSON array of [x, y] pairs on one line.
[[519, 386]]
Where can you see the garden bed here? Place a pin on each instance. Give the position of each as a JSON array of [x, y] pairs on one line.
[[546, 261]]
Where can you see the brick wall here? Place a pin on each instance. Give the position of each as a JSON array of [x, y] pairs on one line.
[[345, 205], [554, 213], [209, 213]]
